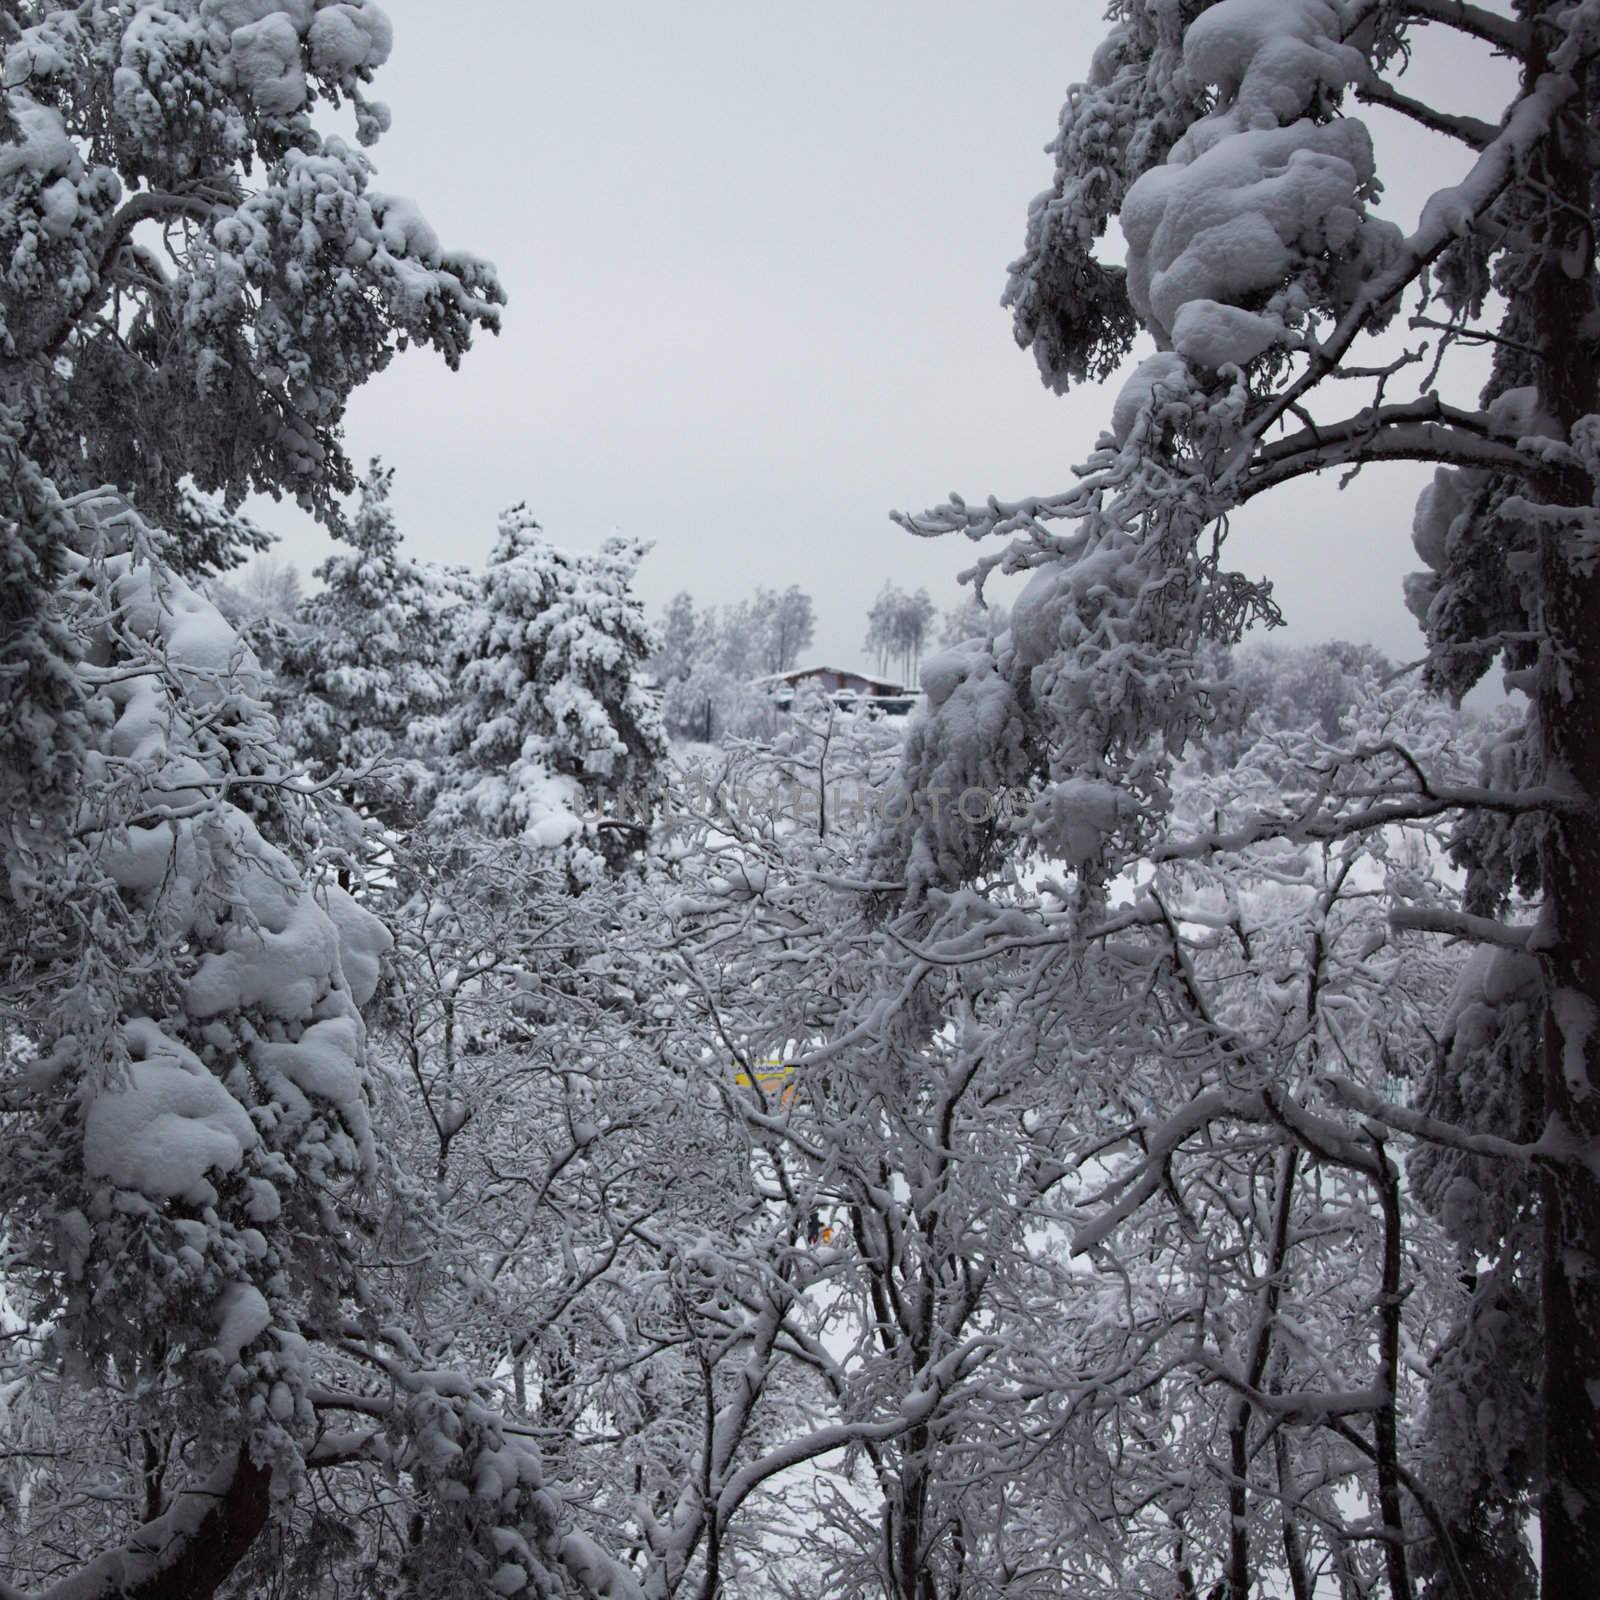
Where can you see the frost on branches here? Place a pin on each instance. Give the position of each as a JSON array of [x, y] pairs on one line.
[[553, 733], [1223, 138], [195, 277], [707, 662]]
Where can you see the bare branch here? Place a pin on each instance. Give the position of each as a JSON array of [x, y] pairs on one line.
[[1502, 32], [1471, 131]]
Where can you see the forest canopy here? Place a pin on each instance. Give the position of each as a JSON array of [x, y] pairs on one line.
[[497, 1100]]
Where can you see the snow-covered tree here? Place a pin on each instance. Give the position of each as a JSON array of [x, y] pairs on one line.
[[1266, 687], [979, 1073], [1311, 687], [897, 628], [681, 639], [270, 587], [703, 664], [598, 1204], [193, 1252], [206, 1342], [1224, 139], [734, 632], [885, 1181], [366, 656], [970, 618], [196, 276], [787, 623], [552, 733], [711, 704]]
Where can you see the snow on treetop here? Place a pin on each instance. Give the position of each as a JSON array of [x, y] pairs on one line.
[[346, 38], [284, 283], [1269, 59], [261, 41], [1258, 216], [265, 57]]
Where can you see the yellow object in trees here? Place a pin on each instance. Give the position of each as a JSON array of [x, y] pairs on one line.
[[775, 1079]]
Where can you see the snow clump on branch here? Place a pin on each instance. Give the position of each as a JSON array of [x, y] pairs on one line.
[[1258, 217], [201, 1089]]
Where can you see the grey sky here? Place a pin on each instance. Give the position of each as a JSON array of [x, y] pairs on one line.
[[754, 254]]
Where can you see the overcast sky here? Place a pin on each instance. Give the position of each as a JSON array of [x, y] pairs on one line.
[[754, 255]]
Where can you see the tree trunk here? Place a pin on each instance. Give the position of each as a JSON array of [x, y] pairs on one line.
[[1570, 1193], [909, 1551], [182, 1556], [1294, 1553], [1391, 1298], [220, 1543], [1568, 711]]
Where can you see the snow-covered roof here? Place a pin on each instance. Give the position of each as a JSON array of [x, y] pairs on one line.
[[796, 674]]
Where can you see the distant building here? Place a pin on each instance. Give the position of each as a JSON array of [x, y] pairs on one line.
[[850, 691]]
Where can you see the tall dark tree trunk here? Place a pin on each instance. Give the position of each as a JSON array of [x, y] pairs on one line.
[[1568, 709], [1294, 1551], [1239, 1451], [912, 1576], [221, 1542], [1391, 1298], [193, 1565]]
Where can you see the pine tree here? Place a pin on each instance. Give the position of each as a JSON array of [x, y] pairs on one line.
[[192, 1170], [282, 280], [553, 734], [1223, 138], [367, 657], [193, 1167]]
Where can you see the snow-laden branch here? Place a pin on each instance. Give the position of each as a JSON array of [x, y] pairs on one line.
[[1400, 433], [998, 936], [1002, 517], [1303, 1407], [1139, 1186], [1548, 1147], [1312, 827], [1459, 925], [1471, 131], [1450, 213], [916, 1408], [337, 1449]]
